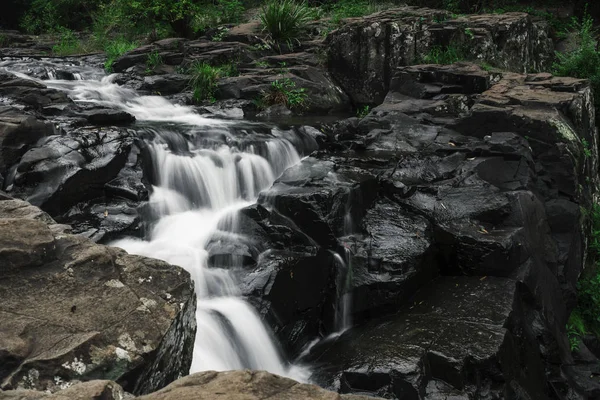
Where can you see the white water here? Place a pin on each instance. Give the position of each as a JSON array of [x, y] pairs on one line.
[[192, 193]]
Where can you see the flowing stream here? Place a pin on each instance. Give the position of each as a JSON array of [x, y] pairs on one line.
[[204, 171]]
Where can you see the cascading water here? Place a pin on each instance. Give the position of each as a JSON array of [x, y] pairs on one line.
[[197, 184]]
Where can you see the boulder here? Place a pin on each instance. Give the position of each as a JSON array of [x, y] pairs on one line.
[[76, 311], [460, 336], [251, 385], [109, 117], [18, 132], [62, 170], [364, 53], [30, 93], [166, 84]]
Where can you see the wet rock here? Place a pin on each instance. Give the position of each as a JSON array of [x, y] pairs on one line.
[[363, 54], [109, 117], [290, 290], [322, 95], [64, 170], [73, 310], [458, 330], [166, 84], [19, 131], [29, 92], [390, 258], [170, 51]]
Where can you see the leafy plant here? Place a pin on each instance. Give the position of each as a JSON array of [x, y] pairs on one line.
[[444, 55], [587, 152], [204, 79], [350, 9], [68, 43], [575, 330], [4, 41], [284, 92], [584, 61], [262, 64], [363, 112], [284, 20], [469, 33], [586, 317], [153, 61], [116, 49]]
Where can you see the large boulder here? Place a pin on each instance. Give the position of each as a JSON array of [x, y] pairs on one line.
[[75, 311], [455, 340], [19, 131], [30, 93], [364, 53], [62, 170], [229, 385]]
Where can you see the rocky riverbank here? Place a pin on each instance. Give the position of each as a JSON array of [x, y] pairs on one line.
[[448, 226]]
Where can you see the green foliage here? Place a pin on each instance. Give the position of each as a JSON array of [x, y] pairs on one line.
[[154, 61], [4, 41], [444, 55], [204, 79], [350, 9], [215, 13], [469, 33], [50, 15], [575, 329], [284, 92], [262, 64], [116, 49], [284, 20], [68, 44], [363, 112], [584, 61], [586, 317], [587, 152]]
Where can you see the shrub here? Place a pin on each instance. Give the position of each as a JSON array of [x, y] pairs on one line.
[[284, 20], [285, 92], [350, 9], [584, 61], [116, 49], [444, 55], [363, 112], [154, 61], [204, 79], [586, 317], [49, 15], [68, 43]]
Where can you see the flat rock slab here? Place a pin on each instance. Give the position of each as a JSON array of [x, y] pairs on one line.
[[74, 310]]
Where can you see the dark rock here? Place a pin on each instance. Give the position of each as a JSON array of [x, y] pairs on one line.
[[363, 54], [290, 290], [64, 170], [110, 117], [29, 92], [166, 84], [19, 131], [459, 330]]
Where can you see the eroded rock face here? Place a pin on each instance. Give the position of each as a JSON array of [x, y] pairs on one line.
[[74, 311], [364, 53]]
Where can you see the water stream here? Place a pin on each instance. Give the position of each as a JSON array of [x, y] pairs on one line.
[[204, 171]]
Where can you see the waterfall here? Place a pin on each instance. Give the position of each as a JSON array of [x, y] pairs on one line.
[[203, 179]]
